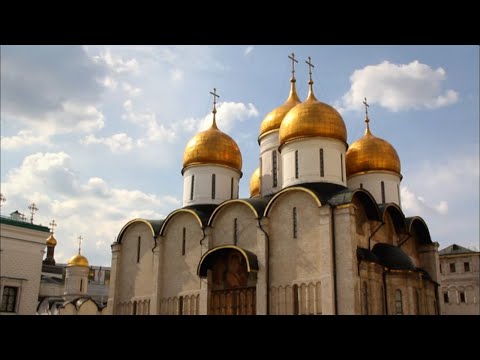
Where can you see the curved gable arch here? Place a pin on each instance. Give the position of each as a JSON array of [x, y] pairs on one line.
[[420, 226], [229, 202], [363, 196], [176, 212], [295, 188], [131, 222], [397, 216]]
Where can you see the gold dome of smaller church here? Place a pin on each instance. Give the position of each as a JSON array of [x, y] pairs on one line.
[[255, 183], [371, 153], [212, 147], [78, 260], [51, 241]]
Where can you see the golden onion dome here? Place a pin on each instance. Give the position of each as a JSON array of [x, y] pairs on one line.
[[371, 153], [78, 260], [255, 183], [312, 118], [273, 120], [51, 241], [212, 147]]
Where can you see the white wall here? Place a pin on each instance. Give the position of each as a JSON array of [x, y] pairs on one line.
[[21, 254], [203, 184], [268, 144], [76, 281], [371, 181], [309, 161]]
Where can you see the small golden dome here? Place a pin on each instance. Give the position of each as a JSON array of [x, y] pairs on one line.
[[273, 120], [212, 147], [370, 153], [78, 260], [255, 183], [312, 118], [51, 241]]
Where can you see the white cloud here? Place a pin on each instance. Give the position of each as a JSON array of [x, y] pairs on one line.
[[23, 139], [415, 205], [116, 63], [399, 87], [109, 82], [228, 113], [117, 143], [248, 50], [94, 209], [176, 74], [131, 90]]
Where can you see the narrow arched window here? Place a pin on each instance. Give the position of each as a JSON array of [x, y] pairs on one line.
[[296, 307], [192, 184], [361, 186], [296, 164], [184, 240], [231, 188], [138, 248], [235, 231], [341, 164], [398, 302], [274, 167], [295, 223], [180, 305], [365, 298], [213, 186], [382, 185], [322, 171], [81, 285]]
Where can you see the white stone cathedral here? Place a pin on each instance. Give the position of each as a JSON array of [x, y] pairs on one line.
[[322, 233]]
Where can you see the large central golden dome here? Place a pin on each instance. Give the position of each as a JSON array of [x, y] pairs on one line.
[[255, 183], [312, 118], [212, 147], [371, 153], [78, 260], [273, 120]]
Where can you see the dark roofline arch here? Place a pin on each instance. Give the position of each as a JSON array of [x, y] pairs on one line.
[[154, 226], [346, 196], [397, 215], [250, 259], [229, 202], [178, 211], [417, 223], [294, 188]]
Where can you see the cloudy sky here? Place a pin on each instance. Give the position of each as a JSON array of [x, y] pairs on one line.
[[94, 135]]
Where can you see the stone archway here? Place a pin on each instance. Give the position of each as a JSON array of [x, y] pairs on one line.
[[231, 279]]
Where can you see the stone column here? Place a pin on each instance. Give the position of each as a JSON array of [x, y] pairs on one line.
[[155, 300], [346, 260], [262, 257], [111, 303]]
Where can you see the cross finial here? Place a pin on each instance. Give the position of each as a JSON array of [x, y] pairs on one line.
[[310, 66], [292, 57], [214, 111], [367, 120], [33, 209], [53, 225], [79, 243]]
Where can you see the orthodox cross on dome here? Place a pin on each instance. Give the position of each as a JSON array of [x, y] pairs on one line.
[[53, 224], [214, 111], [367, 120], [292, 57], [33, 209], [310, 66], [79, 243]]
